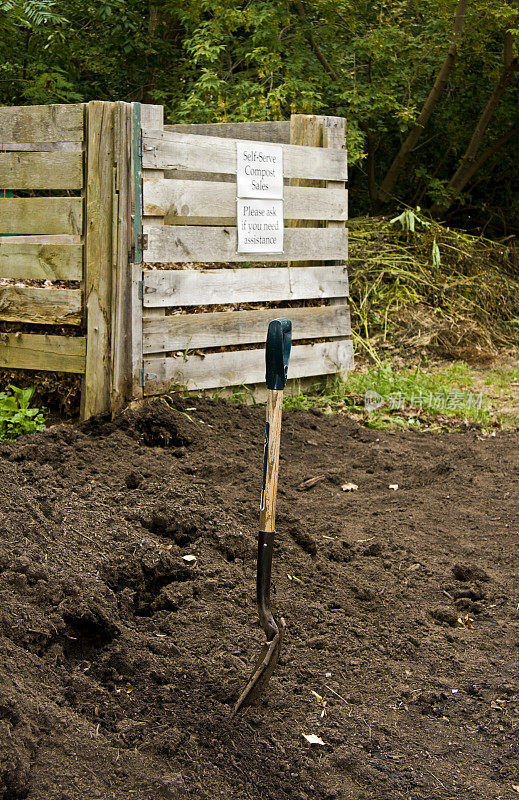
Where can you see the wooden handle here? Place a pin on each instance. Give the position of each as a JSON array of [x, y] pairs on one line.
[[271, 461]]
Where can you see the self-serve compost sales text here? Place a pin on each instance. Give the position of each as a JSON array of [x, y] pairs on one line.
[[259, 172]]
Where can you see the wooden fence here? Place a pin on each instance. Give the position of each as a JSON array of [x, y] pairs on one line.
[[107, 197]]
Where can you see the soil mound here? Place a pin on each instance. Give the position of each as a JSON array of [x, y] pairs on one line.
[[121, 659]]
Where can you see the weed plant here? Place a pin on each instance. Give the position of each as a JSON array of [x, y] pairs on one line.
[[16, 414]]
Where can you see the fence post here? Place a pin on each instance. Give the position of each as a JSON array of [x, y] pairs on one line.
[[121, 389], [320, 131], [334, 136], [136, 256], [95, 398], [144, 118]]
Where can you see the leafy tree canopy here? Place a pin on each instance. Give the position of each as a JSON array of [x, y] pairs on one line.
[[232, 60]]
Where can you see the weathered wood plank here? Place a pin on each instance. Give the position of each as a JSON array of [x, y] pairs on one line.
[[223, 328], [242, 367], [41, 306], [52, 123], [184, 151], [182, 243], [185, 202], [43, 238], [95, 397], [41, 170], [218, 286], [46, 215], [190, 175], [42, 352], [152, 117], [51, 262], [277, 131], [42, 147]]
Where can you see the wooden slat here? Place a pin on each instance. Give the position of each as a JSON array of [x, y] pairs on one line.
[[185, 202], [184, 151], [242, 367], [42, 352], [305, 130], [43, 238], [52, 123], [191, 331], [182, 244], [41, 170], [41, 306], [95, 398], [40, 261], [42, 147], [190, 175], [152, 117], [255, 285], [277, 131], [46, 215]]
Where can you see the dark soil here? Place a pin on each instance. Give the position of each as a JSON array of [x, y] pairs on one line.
[[121, 660]]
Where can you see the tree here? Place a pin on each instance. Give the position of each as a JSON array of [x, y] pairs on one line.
[[428, 107], [411, 81], [469, 164]]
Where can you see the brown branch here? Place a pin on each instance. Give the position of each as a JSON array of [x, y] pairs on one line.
[[371, 146], [411, 140], [466, 169], [313, 44], [475, 165]]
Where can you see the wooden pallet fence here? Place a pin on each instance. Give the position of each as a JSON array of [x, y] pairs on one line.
[[189, 192], [97, 194]]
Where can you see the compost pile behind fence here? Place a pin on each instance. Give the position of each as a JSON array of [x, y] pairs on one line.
[[121, 659], [431, 290]]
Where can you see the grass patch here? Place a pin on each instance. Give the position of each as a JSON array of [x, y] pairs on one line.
[[388, 397], [502, 378]]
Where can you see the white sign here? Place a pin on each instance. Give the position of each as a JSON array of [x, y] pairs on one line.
[[260, 226], [259, 169]]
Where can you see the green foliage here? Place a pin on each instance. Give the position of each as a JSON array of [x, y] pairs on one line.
[[409, 221], [17, 416], [241, 395], [388, 397], [235, 60]]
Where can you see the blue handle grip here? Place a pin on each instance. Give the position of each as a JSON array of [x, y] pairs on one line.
[[277, 353]]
